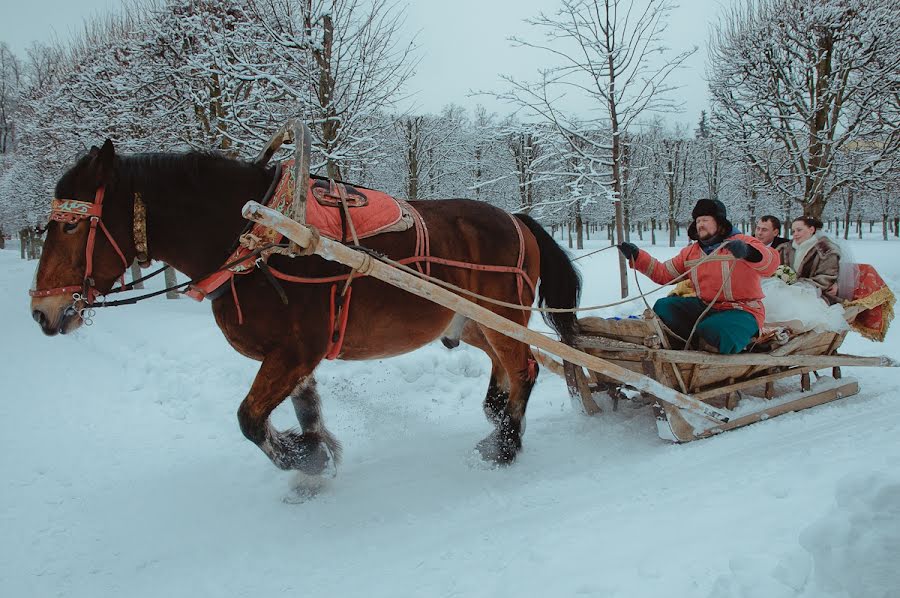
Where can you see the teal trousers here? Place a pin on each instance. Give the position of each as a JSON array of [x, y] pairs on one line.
[[728, 330]]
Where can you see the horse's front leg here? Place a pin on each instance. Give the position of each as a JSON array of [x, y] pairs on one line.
[[322, 449], [276, 378]]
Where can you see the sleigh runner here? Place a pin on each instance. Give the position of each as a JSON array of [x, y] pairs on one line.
[[751, 386]]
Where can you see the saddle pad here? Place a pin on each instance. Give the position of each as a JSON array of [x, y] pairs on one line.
[[379, 213]]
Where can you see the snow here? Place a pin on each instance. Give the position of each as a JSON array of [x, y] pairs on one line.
[[125, 473]]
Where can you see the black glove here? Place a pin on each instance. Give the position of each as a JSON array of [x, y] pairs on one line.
[[742, 251], [629, 250]]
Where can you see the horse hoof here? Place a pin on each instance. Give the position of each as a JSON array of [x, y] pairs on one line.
[[450, 343], [494, 450], [318, 461]]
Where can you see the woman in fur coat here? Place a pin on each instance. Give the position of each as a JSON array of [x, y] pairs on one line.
[[813, 256]]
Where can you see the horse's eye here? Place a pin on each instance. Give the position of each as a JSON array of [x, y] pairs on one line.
[[69, 227]]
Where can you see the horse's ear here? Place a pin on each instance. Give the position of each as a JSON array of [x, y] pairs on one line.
[[102, 160]]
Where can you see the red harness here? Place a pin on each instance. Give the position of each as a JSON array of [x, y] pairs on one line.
[[70, 211], [339, 303]]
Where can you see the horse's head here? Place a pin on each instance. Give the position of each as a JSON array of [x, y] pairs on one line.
[[89, 243]]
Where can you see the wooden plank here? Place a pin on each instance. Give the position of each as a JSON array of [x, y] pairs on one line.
[[664, 342], [747, 383], [578, 388], [633, 327], [743, 359], [369, 266], [608, 344], [683, 434]]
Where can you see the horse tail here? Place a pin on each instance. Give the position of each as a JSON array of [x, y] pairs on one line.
[[560, 283]]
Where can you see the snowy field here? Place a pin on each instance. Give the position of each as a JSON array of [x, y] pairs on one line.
[[124, 473]]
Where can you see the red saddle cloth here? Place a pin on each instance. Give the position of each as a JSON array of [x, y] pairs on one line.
[[372, 212]]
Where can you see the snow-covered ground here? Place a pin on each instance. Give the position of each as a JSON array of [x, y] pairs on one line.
[[124, 473]]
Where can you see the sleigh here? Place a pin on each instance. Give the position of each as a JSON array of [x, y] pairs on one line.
[[751, 386]]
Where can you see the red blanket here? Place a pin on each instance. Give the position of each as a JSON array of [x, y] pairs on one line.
[[873, 294]]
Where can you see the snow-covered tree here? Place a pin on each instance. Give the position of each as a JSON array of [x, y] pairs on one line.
[[795, 82], [342, 63], [10, 88], [609, 53]]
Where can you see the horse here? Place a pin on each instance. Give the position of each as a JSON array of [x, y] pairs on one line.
[[192, 204]]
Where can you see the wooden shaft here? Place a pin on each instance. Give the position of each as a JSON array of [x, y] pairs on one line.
[[817, 361], [337, 252]]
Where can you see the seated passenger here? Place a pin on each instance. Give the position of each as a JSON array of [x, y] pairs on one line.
[[813, 257], [767, 230], [737, 312]]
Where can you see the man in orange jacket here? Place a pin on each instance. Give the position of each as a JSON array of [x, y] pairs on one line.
[[729, 279]]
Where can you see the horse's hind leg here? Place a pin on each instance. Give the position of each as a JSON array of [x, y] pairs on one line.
[[320, 447], [498, 387], [521, 371]]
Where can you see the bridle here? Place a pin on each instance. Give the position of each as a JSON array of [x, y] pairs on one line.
[[71, 211]]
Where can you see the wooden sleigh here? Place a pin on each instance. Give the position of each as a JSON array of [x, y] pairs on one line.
[[751, 386], [695, 394]]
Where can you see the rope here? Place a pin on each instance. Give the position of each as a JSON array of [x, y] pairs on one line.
[[687, 341], [592, 253], [453, 287]]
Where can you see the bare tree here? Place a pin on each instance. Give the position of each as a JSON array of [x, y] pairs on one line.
[[794, 82], [526, 150], [608, 52], [425, 144], [342, 63], [10, 88], [675, 164], [711, 156]]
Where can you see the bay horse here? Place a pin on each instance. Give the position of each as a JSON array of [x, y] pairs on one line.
[[193, 220]]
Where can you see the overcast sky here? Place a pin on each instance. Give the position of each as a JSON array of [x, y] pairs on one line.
[[463, 44]]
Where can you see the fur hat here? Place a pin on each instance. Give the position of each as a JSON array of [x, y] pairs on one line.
[[709, 207], [714, 208]]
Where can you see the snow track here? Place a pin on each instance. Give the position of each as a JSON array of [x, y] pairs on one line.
[[125, 473]]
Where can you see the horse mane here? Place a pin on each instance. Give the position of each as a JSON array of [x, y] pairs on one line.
[[162, 176]]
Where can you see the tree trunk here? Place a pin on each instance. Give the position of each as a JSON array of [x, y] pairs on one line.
[[884, 227], [673, 232], [859, 226], [171, 281], [653, 231], [848, 206], [569, 230], [579, 231], [136, 274]]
